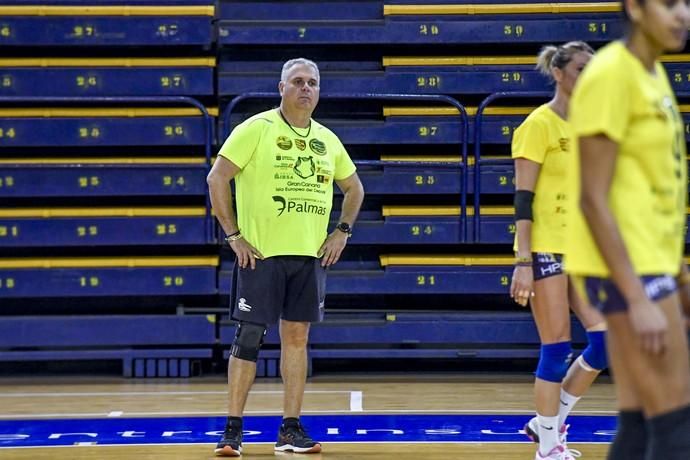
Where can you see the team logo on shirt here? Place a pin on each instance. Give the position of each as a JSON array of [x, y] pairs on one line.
[[564, 143], [305, 167], [300, 144], [284, 142], [317, 147], [291, 206]]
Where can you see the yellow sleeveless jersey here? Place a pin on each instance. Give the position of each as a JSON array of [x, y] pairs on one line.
[[617, 97], [284, 191], [546, 138]]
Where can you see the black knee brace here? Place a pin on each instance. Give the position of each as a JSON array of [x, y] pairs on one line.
[[248, 340]]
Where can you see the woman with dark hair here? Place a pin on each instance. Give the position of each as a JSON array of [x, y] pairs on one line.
[[541, 147], [626, 237]]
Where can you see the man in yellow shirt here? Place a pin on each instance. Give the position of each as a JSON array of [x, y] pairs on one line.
[[284, 165], [626, 234]]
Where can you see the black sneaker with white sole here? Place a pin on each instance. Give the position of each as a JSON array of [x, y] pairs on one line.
[[230, 445], [292, 437]]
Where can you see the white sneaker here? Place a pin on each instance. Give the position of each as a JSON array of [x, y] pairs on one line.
[[557, 453], [532, 431]]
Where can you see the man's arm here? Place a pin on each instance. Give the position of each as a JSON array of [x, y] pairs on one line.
[[353, 192], [335, 243], [218, 180]]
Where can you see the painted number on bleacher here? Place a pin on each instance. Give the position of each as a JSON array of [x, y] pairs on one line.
[[89, 281], [511, 77], [423, 280], [5, 31], [89, 181], [84, 230], [508, 130], [511, 229], [428, 29], [169, 181], [89, 133], [173, 131], [86, 81], [172, 81], [7, 283], [424, 180], [505, 281], [513, 30], [420, 230], [11, 231], [429, 82], [301, 32], [503, 181], [84, 31], [167, 30], [6, 182], [596, 27], [166, 229], [169, 281], [6, 81], [425, 131], [9, 133]]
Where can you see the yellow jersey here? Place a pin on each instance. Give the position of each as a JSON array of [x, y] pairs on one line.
[[284, 191], [546, 138], [617, 97]]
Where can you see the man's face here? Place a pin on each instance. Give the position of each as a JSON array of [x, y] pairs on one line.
[[300, 90]]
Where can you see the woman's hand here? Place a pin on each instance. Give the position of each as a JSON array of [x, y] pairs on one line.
[[522, 285]]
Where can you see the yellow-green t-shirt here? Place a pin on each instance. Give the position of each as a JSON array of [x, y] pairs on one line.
[[546, 138], [617, 97], [284, 191]]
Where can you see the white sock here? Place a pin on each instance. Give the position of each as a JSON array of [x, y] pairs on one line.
[[567, 403], [548, 433]]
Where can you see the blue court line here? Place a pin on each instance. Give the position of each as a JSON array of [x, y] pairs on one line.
[[325, 428]]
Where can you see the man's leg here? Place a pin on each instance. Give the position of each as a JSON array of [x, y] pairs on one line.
[[293, 365]]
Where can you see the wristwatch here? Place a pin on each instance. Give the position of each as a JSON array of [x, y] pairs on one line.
[[345, 228]]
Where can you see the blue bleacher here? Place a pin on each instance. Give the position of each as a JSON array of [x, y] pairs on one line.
[[107, 276], [96, 177], [101, 127], [115, 24], [107, 77], [426, 24], [148, 346], [65, 227]]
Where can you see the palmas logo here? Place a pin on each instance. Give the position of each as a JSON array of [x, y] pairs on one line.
[[317, 147], [298, 206], [284, 142]]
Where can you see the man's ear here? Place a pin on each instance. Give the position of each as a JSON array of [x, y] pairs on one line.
[[281, 87]]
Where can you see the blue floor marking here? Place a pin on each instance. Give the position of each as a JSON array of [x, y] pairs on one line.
[[325, 428]]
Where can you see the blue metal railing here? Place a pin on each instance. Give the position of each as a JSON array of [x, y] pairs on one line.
[[463, 126], [168, 100], [478, 162]]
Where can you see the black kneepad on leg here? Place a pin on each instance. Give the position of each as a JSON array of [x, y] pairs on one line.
[[248, 340]]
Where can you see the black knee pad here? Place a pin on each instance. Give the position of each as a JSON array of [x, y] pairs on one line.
[[248, 340]]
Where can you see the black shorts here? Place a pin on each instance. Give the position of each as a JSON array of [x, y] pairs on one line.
[[546, 264], [289, 287], [603, 294]]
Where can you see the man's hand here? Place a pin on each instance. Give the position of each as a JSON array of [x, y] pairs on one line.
[[332, 248], [246, 253]]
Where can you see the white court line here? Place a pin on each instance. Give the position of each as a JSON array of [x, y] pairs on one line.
[[278, 411], [159, 393], [272, 443], [115, 413], [356, 401]]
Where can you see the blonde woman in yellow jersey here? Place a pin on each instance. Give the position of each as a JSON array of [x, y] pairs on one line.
[[541, 147], [625, 248]]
